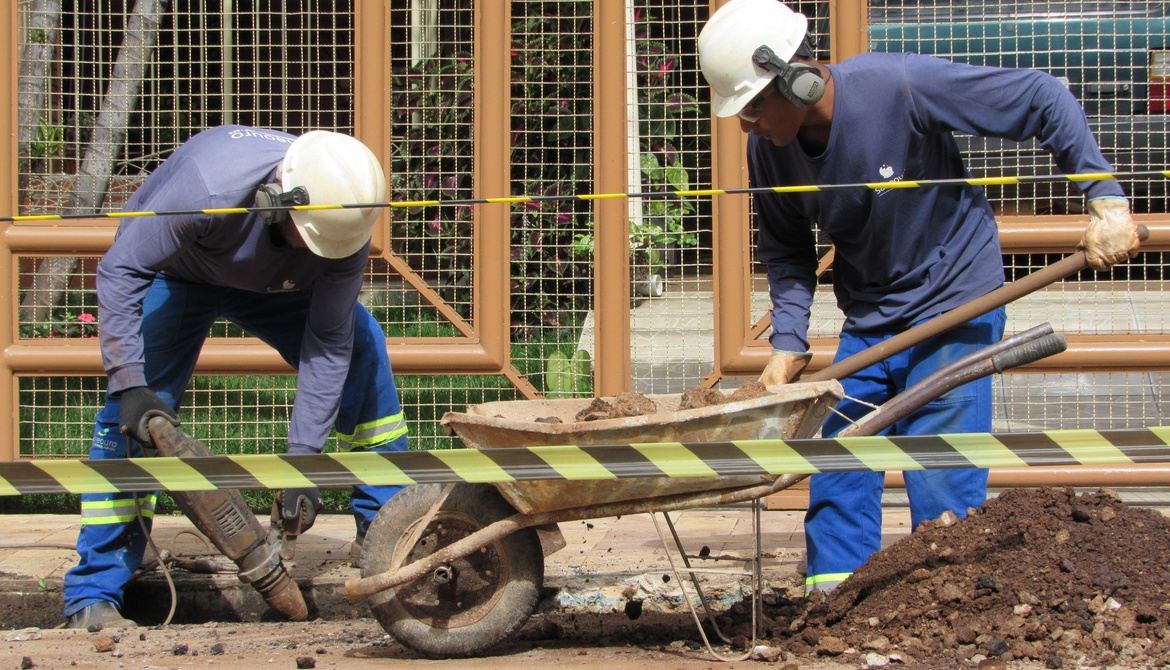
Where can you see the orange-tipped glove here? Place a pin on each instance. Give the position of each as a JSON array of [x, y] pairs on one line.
[[784, 367], [1112, 236]]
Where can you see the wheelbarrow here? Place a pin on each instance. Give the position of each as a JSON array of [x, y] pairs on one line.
[[452, 570]]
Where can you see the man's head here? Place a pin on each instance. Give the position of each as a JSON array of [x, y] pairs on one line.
[[327, 168], [748, 51]]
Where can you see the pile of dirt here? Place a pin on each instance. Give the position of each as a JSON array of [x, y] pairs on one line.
[[636, 404], [1047, 575]]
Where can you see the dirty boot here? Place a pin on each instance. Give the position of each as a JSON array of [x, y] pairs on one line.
[[355, 550], [101, 614]]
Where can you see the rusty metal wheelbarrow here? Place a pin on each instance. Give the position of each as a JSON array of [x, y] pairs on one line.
[[452, 570]]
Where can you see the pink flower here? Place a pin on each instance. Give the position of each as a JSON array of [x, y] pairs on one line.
[[86, 317]]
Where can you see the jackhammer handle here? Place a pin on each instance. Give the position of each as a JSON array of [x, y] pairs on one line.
[[1001, 296]]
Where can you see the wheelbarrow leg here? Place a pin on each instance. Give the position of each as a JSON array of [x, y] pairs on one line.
[[757, 579], [686, 560]]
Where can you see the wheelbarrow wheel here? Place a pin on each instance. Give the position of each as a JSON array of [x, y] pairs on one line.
[[466, 606]]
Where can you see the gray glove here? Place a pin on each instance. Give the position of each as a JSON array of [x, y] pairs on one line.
[[298, 509], [138, 406], [784, 367], [1112, 236]]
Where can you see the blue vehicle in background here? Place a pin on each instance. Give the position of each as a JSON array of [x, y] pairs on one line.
[[1113, 56]]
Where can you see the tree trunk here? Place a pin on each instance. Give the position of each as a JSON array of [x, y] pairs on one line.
[[44, 18], [97, 166]]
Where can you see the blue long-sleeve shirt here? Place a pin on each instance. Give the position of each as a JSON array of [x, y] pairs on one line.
[[903, 255], [222, 168]]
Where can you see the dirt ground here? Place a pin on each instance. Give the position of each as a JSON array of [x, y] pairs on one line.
[[1046, 576], [1034, 579], [547, 642]]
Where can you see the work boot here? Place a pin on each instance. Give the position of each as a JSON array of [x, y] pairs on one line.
[[355, 550], [101, 614]]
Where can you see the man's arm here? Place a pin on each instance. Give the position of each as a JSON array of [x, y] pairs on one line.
[[1010, 103], [1020, 104], [142, 248], [786, 246], [325, 355]]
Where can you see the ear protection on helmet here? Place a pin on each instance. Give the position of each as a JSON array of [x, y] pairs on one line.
[[271, 195], [800, 83]]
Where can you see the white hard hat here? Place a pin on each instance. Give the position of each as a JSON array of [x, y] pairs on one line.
[[335, 169], [729, 39]]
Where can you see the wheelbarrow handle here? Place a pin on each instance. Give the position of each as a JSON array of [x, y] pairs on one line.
[[994, 300], [994, 359]]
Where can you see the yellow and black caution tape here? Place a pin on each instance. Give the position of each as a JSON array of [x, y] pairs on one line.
[[573, 463], [695, 193]]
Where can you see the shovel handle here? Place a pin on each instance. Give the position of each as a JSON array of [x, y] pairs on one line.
[[959, 315]]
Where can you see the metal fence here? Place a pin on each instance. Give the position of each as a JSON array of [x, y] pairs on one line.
[[528, 97]]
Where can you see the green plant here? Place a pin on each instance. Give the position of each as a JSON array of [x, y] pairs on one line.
[[551, 156], [663, 224], [670, 209], [568, 377], [67, 324], [49, 141]]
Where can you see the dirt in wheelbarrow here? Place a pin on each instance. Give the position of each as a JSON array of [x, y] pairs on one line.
[[636, 404], [1034, 579]]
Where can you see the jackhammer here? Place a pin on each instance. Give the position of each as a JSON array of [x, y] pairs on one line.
[[224, 517]]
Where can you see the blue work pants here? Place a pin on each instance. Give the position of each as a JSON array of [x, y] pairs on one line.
[[844, 520]]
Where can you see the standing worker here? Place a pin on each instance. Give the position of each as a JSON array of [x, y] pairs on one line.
[[289, 278], [903, 256]]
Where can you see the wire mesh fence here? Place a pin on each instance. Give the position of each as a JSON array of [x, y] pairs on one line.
[[1107, 54], [291, 66], [552, 154], [673, 334]]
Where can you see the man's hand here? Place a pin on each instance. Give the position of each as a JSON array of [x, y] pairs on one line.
[[1112, 236], [298, 510], [139, 406], [784, 367]]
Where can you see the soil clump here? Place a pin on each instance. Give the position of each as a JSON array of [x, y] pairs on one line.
[[1044, 575], [636, 404], [624, 405]]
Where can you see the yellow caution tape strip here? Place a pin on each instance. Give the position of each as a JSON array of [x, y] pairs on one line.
[[694, 193], [569, 462]]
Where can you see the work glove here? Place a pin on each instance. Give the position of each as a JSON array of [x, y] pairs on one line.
[[139, 406], [784, 367], [1112, 236], [298, 510]]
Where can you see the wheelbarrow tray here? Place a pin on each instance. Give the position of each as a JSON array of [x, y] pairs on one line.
[[788, 412]]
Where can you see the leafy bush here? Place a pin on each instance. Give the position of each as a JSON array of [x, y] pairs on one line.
[[551, 156]]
